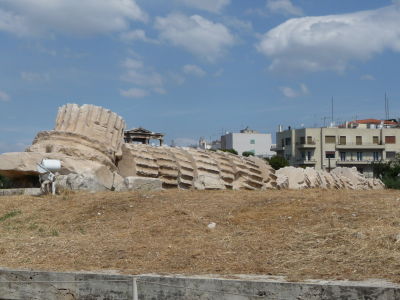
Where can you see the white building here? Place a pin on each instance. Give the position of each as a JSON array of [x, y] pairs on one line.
[[206, 145], [248, 141]]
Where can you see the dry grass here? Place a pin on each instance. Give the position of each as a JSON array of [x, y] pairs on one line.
[[300, 234]]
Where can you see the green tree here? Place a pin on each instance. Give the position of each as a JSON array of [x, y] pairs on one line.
[[388, 172], [4, 182], [277, 162], [248, 153]]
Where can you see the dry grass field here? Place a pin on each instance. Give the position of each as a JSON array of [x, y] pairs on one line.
[[299, 234]]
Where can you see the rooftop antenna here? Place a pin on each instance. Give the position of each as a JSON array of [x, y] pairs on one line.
[[386, 107], [332, 111]]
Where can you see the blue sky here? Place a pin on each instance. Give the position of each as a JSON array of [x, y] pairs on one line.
[[192, 68]]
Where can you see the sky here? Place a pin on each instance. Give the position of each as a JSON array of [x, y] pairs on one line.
[[197, 68]]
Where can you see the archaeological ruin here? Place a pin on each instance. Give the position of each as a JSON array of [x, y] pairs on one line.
[[89, 142]]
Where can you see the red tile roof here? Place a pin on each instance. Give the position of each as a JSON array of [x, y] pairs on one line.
[[373, 121]]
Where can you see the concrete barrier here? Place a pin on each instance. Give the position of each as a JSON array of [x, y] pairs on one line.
[[250, 287], [33, 285]]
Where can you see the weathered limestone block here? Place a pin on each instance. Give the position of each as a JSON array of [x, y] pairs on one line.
[[88, 132], [338, 178], [227, 171], [20, 165], [133, 183], [188, 168], [185, 166], [296, 177]]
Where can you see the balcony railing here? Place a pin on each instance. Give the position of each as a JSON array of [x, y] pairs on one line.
[[356, 161], [306, 161], [359, 146]]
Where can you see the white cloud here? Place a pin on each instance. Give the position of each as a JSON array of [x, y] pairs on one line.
[[214, 6], [136, 73], [147, 79], [177, 78], [160, 90], [284, 7], [136, 35], [131, 63], [367, 77], [4, 96], [34, 77], [134, 93], [290, 92], [193, 70], [196, 34], [238, 24], [27, 17], [331, 42]]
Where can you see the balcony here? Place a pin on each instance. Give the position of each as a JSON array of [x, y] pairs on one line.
[[306, 145], [355, 162], [306, 161], [360, 146]]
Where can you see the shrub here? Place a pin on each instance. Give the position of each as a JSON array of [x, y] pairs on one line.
[[248, 153], [233, 151], [388, 172], [277, 162]]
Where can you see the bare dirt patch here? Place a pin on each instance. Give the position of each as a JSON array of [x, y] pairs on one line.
[[300, 234]]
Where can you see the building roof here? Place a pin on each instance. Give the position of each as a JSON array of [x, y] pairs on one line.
[[141, 130], [375, 121], [371, 121]]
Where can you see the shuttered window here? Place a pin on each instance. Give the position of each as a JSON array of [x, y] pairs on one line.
[[390, 139], [358, 140], [330, 139], [342, 140], [375, 140]]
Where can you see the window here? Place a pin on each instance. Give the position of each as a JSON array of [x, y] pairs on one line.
[[252, 142], [390, 154], [303, 155], [283, 142], [302, 140], [342, 140], [342, 156], [329, 154], [376, 156], [358, 140], [359, 156], [288, 141], [390, 140], [375, 140], [308, 155], [309, 140], [330, 139]]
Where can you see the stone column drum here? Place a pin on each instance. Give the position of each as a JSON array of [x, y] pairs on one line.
[[88, 132]]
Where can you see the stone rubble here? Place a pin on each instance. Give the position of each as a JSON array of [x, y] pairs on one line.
[[338, 178], [88, 140]]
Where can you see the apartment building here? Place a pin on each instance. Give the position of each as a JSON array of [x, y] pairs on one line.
[[354, 144], [248, 140]]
